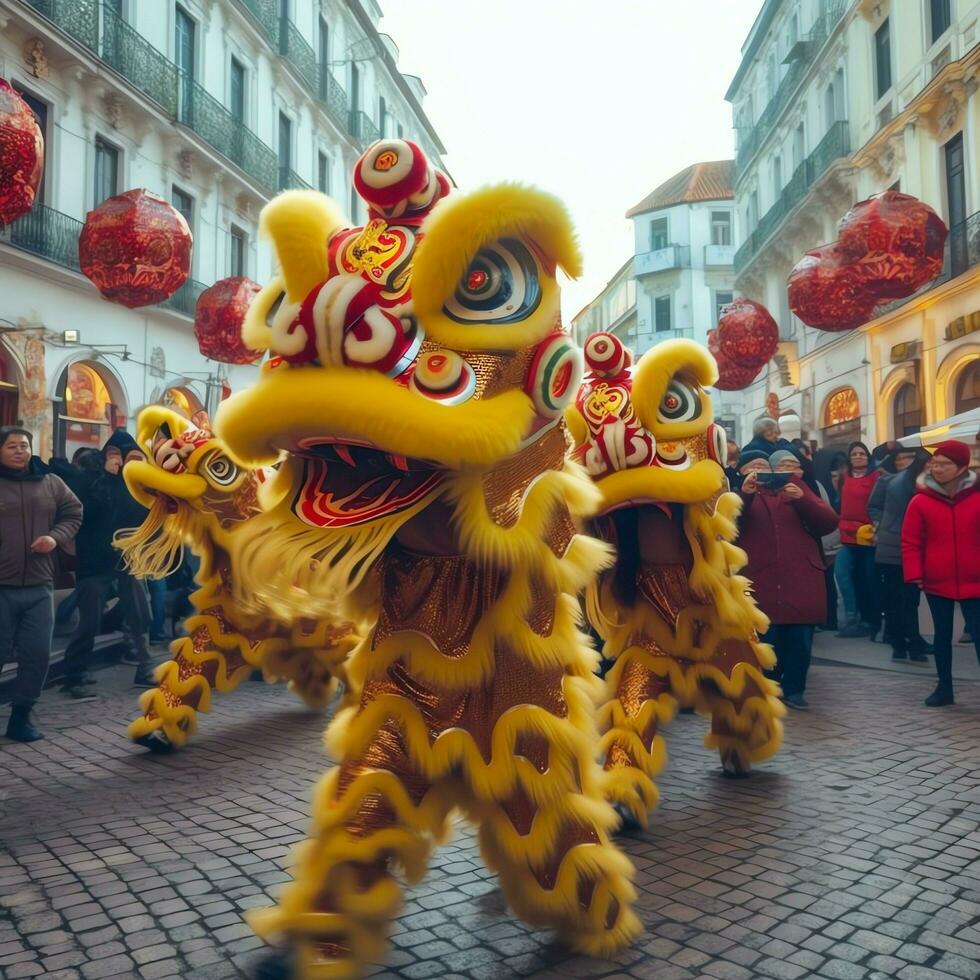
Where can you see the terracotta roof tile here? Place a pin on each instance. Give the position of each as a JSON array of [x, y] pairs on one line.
[[710, 181]]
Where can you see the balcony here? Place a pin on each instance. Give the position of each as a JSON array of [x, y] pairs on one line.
[[661, 260], [718, 256], [333, 98], [288, 180], [49, 234], [265, 16], [299, 55], [185, 299], [142, 65], [803, 54], [362, 128], [77, 18], [834, 145]]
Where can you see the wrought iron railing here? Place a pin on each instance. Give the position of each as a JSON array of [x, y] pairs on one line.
[[834, 145], [333, 98], [299, 55], [185, 299], [362, 128], [265, 14], [289, 180], [222, 130], [78, 18], [138, 61], [48, 233]]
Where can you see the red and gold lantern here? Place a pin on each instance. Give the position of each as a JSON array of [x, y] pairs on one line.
[[828, 292], [21, 155], [218, 319], [896, 240], [136, 249], [731, 376], [747, 335]]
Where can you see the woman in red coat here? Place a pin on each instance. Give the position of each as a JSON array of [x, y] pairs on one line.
[[941, 552], [780, 528], [855, 565]]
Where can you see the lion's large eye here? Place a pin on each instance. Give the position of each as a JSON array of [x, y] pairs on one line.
[[220, 469], [500, 286], [681, 403]]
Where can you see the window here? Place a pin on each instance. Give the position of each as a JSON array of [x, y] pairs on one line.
[[777, 176], [382, 115], [661, 313], [323, 173], [830, 105], [793, 31], [659, 233], [355, 205], [938, 18], [184, 56], [401, 131], [956, 205], [355, 87], [968, 389], [285, 141], [237, 90], [721, 227], [106, 170], [907, 412], [799, 147], [722, 299], [239, 251], [839, 113], [324, 57], [772, 76], [883, 59], [184, 203], [753, 212], [40, 110]]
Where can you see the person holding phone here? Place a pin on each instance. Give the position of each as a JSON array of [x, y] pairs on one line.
[[781, 524]]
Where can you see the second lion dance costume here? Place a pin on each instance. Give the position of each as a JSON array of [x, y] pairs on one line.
[[414, 400]]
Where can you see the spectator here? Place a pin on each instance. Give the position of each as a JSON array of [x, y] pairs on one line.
[[109, 507], [37, 514], [731, 463], [886, 506], [765, 437], [941, 553], [854, 567], [781, 523]]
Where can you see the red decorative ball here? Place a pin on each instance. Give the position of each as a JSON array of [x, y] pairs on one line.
[[218, 319], [731, 376], [136, 248], [747, 335], [829, 292], [897, 240], [21, 155]]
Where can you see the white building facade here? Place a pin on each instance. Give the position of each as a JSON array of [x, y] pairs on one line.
[[836, 100], [215, 105]]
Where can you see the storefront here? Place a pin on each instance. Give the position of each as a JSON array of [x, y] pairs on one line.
[[89, 405], [9, 390], [182, 400], [840, 419]]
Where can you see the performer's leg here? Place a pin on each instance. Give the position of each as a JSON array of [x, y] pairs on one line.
[[372, 812], [742, 702], [312, 662]]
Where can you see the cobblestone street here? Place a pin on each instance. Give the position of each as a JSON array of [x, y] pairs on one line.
[[855, 853]]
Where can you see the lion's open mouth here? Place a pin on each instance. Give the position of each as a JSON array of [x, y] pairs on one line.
[[347, 483]]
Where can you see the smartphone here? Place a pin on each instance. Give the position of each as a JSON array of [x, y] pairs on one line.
[[774, 481]]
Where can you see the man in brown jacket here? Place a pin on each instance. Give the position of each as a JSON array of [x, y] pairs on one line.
[[37, 514]]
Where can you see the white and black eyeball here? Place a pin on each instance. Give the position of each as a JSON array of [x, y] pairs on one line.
[[681, 403], [501, 285], [718, 444], [220, 470]]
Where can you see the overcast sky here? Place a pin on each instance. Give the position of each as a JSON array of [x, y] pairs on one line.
[[598, 101]]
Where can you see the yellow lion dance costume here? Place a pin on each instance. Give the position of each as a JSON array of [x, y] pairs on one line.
[[197, 495], [417, 379], [676, 618]]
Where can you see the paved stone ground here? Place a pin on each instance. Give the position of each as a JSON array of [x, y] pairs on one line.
[[855, 853]]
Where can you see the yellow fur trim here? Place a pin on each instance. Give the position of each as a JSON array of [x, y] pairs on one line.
[[576, 424], [652, 376], [457, 229], [646, 484], [256, 333], [300, 223], [363, 404]]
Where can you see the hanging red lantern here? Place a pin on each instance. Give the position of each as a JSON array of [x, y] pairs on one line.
[[136, 248], [747, 335], [21, 155], [828, 292], [896, 240], [731, 376], [218, 319]]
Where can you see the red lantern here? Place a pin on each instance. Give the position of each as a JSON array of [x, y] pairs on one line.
[[747, 335], [21, 155], [136, 248], [218, 319], [897, 240], [828, 292], [731, 376]]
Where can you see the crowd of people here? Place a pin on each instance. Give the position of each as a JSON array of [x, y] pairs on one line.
[[59, 516], [888, 526]]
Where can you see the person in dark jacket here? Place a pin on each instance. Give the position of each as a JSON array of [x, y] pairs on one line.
[[886, 507], [109, 507], [855, 565], [780, 528], [766, 437], [37, 514], [941, 553]]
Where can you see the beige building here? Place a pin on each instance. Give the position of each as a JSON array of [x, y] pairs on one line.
[[834, 101]]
